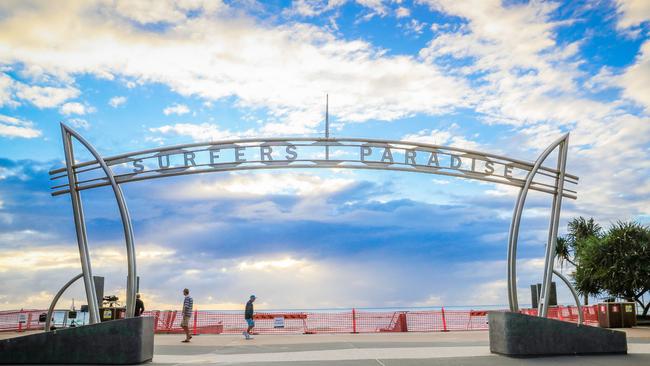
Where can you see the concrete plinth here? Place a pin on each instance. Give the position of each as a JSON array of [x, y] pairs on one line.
[[519, 335], [121, 342]]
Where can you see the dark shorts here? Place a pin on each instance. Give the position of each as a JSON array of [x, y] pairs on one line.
[[251, 322]]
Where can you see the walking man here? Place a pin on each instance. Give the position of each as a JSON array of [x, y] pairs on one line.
[[248, 315], [139, 305], [187, 313]]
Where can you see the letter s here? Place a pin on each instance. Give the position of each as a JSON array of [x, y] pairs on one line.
[[137, 166], [291, 152]]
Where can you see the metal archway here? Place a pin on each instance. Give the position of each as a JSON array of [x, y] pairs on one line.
[[306, 153]]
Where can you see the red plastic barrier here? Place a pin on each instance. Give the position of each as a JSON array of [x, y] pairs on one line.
[[353, 321]]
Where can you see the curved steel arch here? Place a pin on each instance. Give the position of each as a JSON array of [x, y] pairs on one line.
[[555, 216], [68, 133], [50, 310], [463, 163]]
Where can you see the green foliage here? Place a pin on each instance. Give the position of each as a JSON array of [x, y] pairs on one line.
[[579, 231], [563, 252], [617, 263]]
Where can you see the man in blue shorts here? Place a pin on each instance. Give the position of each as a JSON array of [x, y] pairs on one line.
[[248, 315]]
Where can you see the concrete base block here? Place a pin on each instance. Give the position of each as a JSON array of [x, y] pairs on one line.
[[121, 342], [519, 335]]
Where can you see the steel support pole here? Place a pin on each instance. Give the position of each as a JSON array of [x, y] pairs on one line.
[[549, 257], [126, 222], [574, 293], [50, 310], [516, 220], [80, 227]]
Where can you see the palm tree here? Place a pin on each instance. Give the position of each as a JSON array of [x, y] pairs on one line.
[[568, 249], [563, 252]]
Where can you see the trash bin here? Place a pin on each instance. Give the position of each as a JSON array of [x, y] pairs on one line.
[[629, 314], [109, 313], [610, 315]]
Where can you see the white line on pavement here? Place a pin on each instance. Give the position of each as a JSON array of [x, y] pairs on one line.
[[330, 355]]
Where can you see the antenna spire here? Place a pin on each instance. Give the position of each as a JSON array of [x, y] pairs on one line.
[[327, 116]]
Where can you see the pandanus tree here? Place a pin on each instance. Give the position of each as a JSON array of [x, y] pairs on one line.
[[618, 264], [615, 263]]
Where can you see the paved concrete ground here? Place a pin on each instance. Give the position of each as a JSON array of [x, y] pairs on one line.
[[383, 349], [454, 348]]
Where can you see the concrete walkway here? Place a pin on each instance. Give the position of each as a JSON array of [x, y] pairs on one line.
[[384, 349], [377, 349]]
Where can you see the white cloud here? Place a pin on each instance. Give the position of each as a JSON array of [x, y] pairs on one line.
[[46, 96], [156, 11], [179, 109], [264, 184], [78, 123], [415, 26], [402, 12], [635, 81], [117, 101], [201, 132], [6, 87], [13, 127], [632, 12], [530, 82], [75, 108], [285, 69], [311, 8], [446, 137]]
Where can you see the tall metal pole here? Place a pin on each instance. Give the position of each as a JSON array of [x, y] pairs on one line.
[[549, 258], [327, 125], [126, 221], [80, 227], [516, 220]]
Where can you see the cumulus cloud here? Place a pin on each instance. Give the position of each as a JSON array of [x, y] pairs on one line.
[[75, 108], [6, 93], [14, 127], [311, 8], [632, 12], [46, 96], [201, 132], [402, 12], [532, 83], [263, 184], [448, 137], [178, 109], [285, 68], [78, 123], [635, 81], [117, 101]]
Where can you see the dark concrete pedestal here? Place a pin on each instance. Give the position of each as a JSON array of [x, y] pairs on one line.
[[519, 335], [121, 342]]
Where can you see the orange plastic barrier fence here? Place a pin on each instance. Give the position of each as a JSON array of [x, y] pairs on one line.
[[20, 320], [354, 321]]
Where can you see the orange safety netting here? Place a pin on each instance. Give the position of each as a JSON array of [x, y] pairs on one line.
[[353, 321]]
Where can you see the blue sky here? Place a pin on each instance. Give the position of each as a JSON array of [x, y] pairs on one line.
[[503, 77]]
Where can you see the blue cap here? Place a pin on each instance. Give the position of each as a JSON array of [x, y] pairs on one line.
[[253, 297]]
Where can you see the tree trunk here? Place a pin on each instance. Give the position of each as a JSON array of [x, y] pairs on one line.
[[586, 300]]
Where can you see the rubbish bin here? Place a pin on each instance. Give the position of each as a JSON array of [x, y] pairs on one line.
[[107, 314], [629, 314], [610, 315], [111, 313]]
